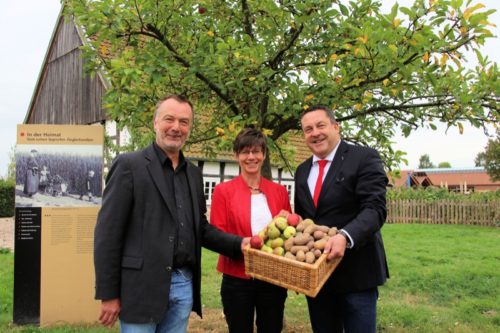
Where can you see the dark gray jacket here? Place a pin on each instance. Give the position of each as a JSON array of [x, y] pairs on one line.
[[134, 237]]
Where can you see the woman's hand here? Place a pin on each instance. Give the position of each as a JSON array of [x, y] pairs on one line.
[[283, 213]]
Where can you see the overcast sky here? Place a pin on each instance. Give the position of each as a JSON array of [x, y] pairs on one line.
[[25, 30]]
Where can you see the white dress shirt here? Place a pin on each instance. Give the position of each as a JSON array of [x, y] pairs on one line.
[[313, 175]]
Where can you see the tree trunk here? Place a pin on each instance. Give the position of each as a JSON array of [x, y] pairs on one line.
[[266, 168]]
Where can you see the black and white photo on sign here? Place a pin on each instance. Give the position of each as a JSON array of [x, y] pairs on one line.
[[58, 175]]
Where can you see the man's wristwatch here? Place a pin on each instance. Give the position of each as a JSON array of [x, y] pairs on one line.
[[343, 233]]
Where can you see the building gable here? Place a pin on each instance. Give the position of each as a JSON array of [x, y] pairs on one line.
[[64, 94]]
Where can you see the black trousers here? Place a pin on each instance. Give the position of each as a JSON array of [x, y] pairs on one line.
[[354, 312], [241, 298]]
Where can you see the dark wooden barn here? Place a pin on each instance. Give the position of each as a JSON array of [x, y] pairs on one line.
[[63, 93]]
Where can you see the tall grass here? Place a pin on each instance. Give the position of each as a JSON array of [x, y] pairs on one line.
[[444, 278]]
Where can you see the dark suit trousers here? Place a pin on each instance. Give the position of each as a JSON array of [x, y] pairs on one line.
[[344, 313], [242, 297]]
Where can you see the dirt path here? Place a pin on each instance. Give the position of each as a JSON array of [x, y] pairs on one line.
[[7, 233]]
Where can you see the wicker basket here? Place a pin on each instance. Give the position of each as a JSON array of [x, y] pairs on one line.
[[301, 277]]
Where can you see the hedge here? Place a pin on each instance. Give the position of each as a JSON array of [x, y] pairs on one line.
[[431, 194], [7, 198]]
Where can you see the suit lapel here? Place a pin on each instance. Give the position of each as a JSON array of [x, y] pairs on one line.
[[191, 176], [155, 170], [334, 172], [303, 187]]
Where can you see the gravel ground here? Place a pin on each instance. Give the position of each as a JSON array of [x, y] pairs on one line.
[[7, 233]]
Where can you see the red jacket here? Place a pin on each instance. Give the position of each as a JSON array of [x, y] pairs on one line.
[[230, 211]]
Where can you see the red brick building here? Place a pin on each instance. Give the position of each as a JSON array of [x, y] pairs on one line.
[[462, 180]]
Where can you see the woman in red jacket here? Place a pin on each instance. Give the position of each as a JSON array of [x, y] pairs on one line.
[[243, 206]]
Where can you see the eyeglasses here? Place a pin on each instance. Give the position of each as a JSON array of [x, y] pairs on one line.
[[247, 152]]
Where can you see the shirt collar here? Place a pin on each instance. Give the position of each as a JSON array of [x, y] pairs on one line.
[[329, 157], [164, 160]]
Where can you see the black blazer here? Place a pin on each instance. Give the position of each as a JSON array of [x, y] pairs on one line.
[[352, 198], [134, 237]]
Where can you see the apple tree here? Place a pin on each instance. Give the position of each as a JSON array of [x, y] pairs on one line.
[[261, 63]]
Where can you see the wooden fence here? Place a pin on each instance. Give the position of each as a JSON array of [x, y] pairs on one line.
[[444, 212]]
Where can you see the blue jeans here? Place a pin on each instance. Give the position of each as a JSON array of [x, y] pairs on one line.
[[344, 313], [180, 304]]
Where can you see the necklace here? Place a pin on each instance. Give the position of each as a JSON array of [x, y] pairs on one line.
[[254, 188]]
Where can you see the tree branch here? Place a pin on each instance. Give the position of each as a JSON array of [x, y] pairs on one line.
[[281, 126], [247, 19], [138, 13], [156, 34], [263, 105], [382, 78], [386, 108], [400, 118], [279, 56], [284, 159], [201, 139], [458, 45]]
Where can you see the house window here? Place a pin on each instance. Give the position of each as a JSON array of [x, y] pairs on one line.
[[209, 185], [289, 185]]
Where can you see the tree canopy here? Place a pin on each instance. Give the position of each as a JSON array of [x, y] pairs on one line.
[[490, 158], [261, 63], [442, 165], [424, 162]]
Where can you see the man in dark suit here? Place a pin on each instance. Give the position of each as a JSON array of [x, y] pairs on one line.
[[351, 198], [150, 230]]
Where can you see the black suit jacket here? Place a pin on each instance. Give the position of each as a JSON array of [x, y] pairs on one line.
[[352, 198], [134, 236]]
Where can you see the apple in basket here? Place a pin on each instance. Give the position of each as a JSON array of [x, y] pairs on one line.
[[256, 242], [293, 219]]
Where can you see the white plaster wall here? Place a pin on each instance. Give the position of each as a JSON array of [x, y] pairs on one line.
[[211, 168], [232, 169]]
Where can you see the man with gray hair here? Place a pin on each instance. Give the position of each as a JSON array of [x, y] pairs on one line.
[[150, 231]]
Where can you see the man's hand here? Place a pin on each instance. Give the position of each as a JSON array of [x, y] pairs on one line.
[[110, 309], [245, 243], [335, 247]]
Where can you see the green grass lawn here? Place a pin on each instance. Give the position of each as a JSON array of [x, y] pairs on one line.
[[444, 278]]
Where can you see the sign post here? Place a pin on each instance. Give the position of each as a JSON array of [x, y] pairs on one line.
[[59, 172]]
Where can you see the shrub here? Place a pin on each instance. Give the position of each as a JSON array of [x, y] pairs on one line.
[[434, 193], [7, 198]]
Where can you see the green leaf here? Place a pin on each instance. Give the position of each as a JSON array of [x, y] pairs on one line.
[[343, 9], [394, 11], [407, 11]]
